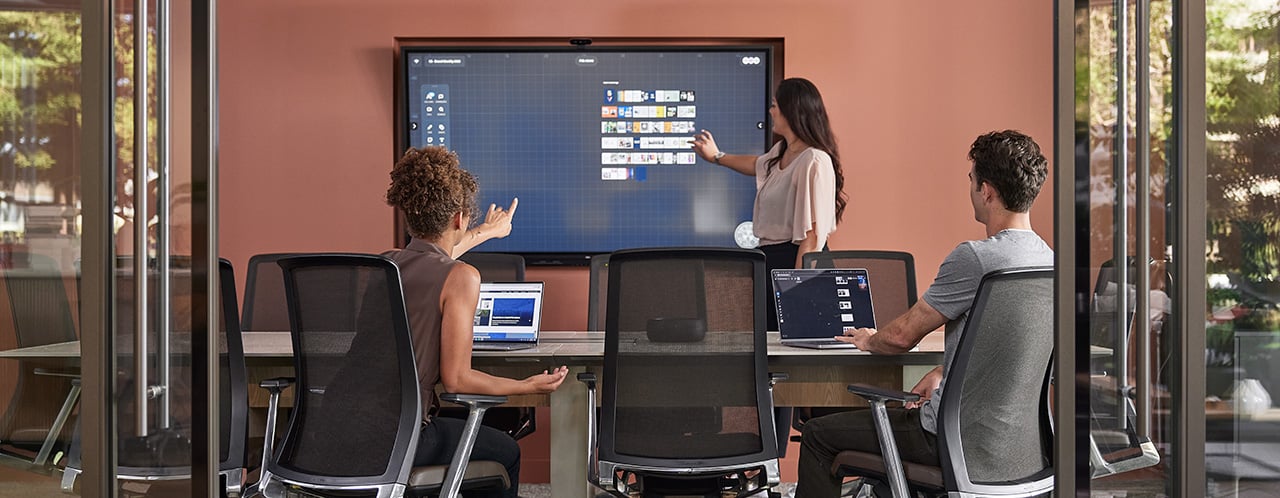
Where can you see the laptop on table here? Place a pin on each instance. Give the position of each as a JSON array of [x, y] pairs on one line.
[[507, 316], [815, 305]]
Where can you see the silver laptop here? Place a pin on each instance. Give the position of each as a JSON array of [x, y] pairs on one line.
[[815, 305], [507, 316]]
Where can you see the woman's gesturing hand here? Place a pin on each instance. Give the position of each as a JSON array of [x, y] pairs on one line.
[[547, 381], [498, 221], [705, 146]]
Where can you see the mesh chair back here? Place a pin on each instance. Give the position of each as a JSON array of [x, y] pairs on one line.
[[265, 308], [233, 411], [994, 413], [357, 409], [597, 291], [1103, 310], [496, 267], [893, 277], [39, 302], [41, 314], [685, 382]]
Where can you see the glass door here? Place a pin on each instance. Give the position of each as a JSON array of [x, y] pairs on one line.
[[1131, 169], [107, 359], [1127, 247], [1175, 127], [40, 240], [1242, 334]]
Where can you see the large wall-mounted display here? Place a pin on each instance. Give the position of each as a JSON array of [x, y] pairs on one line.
[[594, 139]]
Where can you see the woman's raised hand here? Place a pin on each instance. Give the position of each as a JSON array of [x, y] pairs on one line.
[[705, 145]]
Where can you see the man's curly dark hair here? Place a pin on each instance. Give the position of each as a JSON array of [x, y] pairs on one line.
[[429, 187], [1012, 163]]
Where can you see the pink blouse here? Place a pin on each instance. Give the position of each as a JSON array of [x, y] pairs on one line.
[[790, 200]]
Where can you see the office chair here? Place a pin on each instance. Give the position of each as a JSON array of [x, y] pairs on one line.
[[264, 304], [45, 391], [496, 267], [516, 421], [995, 432], [893, 284], [687, 402], [893, 277], [162, 460], [597, 291], [1114, 443], [357, 412]]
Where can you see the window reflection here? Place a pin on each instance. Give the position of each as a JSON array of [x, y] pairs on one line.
[[40, 229], [1242, 57]]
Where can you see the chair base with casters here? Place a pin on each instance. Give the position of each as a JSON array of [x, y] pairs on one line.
[[428, 481], [48, 438], [627, 480], [1137, 452]]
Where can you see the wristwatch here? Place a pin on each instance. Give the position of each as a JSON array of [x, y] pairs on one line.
[[717, 157]]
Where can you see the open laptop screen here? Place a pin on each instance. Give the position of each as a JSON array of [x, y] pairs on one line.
[[508, 312], [822, 303]]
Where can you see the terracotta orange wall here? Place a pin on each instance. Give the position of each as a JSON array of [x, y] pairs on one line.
[[306, 110]]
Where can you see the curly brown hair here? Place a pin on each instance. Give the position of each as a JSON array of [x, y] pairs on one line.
[[429, 187], [1012, 163]]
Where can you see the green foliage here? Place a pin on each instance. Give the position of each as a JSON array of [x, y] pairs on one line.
[[1223, 297], [1242, 57], [1221, 338], [39, 85], [1267, 318]]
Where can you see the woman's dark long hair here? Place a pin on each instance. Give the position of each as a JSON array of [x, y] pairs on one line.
[[800, 103]]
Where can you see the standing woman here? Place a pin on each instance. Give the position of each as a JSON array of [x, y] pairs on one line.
[[799, 186]]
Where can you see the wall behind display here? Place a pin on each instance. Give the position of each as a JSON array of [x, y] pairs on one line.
[[306, 111]]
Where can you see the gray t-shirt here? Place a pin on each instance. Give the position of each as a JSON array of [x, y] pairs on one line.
[[952, 292]]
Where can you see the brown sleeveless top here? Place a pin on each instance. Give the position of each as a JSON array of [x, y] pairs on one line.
[[423, 269]]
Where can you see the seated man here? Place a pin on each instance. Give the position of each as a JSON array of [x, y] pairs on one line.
[[1007, 173]]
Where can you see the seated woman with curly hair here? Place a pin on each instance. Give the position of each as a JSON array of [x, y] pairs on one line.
[[437, 198]]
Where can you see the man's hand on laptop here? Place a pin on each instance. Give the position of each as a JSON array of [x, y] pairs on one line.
[[547, 381], [857, 337]]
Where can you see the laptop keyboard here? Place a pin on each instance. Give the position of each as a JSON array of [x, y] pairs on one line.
[[480, 346]]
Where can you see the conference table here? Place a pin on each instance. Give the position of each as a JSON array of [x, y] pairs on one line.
[[816, 378]]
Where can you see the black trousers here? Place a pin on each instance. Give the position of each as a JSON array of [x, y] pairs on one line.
[[776, 257], [824, 437], [438, 441]]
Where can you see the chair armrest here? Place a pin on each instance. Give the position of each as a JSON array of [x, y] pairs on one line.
[[593, 468], [474, 400], [872, 393], [277, 384], [274, 387], [884, 432], [55, 373], [476, 406], [776, 377]]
